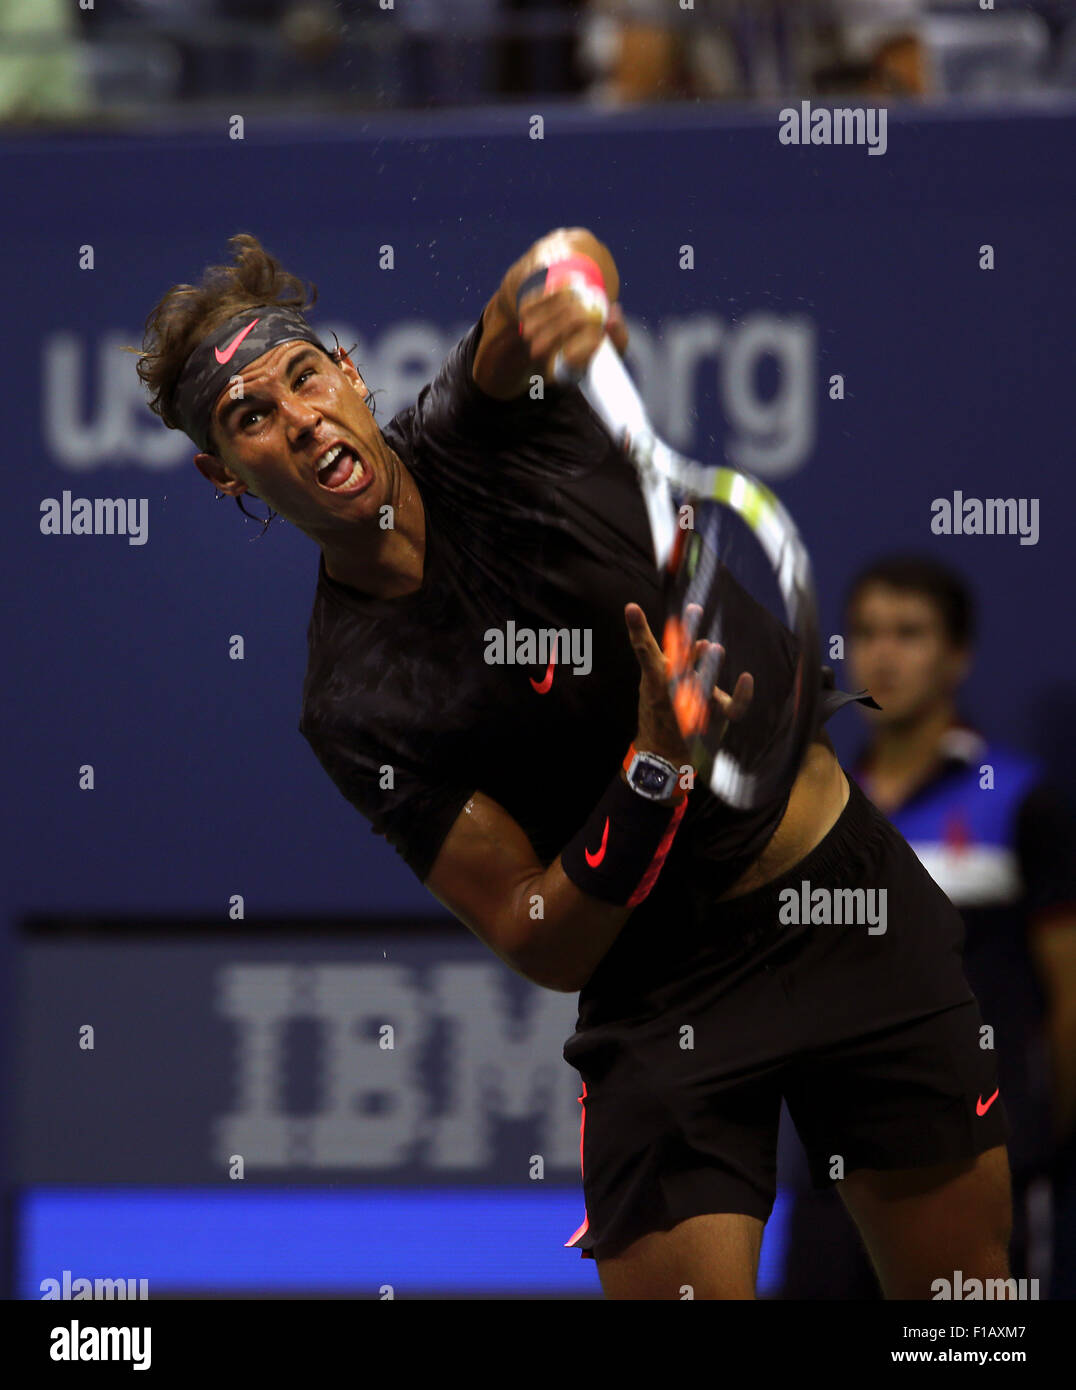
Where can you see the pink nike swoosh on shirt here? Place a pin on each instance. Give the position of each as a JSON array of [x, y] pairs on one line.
[[229, 352], [981, 1108], [542, 686]]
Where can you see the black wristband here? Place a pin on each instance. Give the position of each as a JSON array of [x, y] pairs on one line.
[[618, 854]]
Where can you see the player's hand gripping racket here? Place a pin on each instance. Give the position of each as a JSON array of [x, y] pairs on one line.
[[738, 580]]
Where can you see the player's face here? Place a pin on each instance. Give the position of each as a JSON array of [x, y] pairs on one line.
[[296, 403], [899, 650]]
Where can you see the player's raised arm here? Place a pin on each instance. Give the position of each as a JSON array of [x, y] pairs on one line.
[[555, 320]]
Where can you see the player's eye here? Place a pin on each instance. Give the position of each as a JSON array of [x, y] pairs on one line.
[[253, 414]]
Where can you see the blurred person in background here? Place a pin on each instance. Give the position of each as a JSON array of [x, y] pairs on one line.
[[877, 48], [1001, 843], [653, 50], [544, 62], [40, 71], [303, 53], [419, 53]]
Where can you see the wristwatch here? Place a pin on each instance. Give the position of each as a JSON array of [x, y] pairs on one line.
[[650, 775]]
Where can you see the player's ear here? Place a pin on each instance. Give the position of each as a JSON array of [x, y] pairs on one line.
[[211, 467], [344, 362]]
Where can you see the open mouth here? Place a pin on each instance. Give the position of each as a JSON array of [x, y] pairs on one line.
[[341, 470]]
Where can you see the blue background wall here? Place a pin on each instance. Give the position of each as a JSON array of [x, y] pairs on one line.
[[955, 378]]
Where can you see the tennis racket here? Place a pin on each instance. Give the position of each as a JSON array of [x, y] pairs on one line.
[[738, 595]]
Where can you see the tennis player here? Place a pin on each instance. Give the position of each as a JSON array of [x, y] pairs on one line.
[[542, 792]]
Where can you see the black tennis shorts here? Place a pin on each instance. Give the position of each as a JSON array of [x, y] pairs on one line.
[[866, 1026]]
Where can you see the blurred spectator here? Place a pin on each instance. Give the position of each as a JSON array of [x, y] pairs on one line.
[[541, 63], [142, 55], [653, 50], [418, 53], [40, 70], [1005, 854], [881, 48], [648, 50]]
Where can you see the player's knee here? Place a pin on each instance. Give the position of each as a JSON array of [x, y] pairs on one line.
[[708, 1257], [659, 1283]]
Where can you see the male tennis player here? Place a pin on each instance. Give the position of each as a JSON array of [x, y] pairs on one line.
[[539, 795]]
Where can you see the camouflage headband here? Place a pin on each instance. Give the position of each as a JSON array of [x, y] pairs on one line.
[[224, 353]]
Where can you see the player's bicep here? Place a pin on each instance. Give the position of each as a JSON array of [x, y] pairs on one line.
[[481, 874]]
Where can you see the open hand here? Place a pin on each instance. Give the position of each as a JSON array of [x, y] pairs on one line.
[[665, 722]]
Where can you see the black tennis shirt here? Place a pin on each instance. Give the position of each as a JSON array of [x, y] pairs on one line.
[[535, 520]]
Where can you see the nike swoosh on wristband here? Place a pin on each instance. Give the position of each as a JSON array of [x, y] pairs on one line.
[[542, 686], [229, 352], [595, 859], [980, 1108]]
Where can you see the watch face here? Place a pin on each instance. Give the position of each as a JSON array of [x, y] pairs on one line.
[[649, 779]]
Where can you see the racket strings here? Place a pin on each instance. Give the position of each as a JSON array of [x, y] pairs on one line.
[[698, 619], [748, 597]]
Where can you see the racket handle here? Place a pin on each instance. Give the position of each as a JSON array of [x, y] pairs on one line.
[[565, 375], [611, 392]]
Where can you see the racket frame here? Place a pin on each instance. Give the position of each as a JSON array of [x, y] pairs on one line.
[[662, 472]]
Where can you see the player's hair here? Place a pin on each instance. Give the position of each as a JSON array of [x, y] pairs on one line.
[[187, 313], [919, 574]]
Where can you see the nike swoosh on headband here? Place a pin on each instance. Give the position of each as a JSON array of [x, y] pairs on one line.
[[229, 352]]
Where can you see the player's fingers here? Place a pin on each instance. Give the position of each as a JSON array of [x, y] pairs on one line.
[[542, 314], [647, 651], [536, 305], [736, 705], [574, 332], [742, 695], [706, 657], [577, 348], [545, 323]]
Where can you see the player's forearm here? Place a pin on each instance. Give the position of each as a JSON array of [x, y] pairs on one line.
[[567, 931], [579, 904]]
